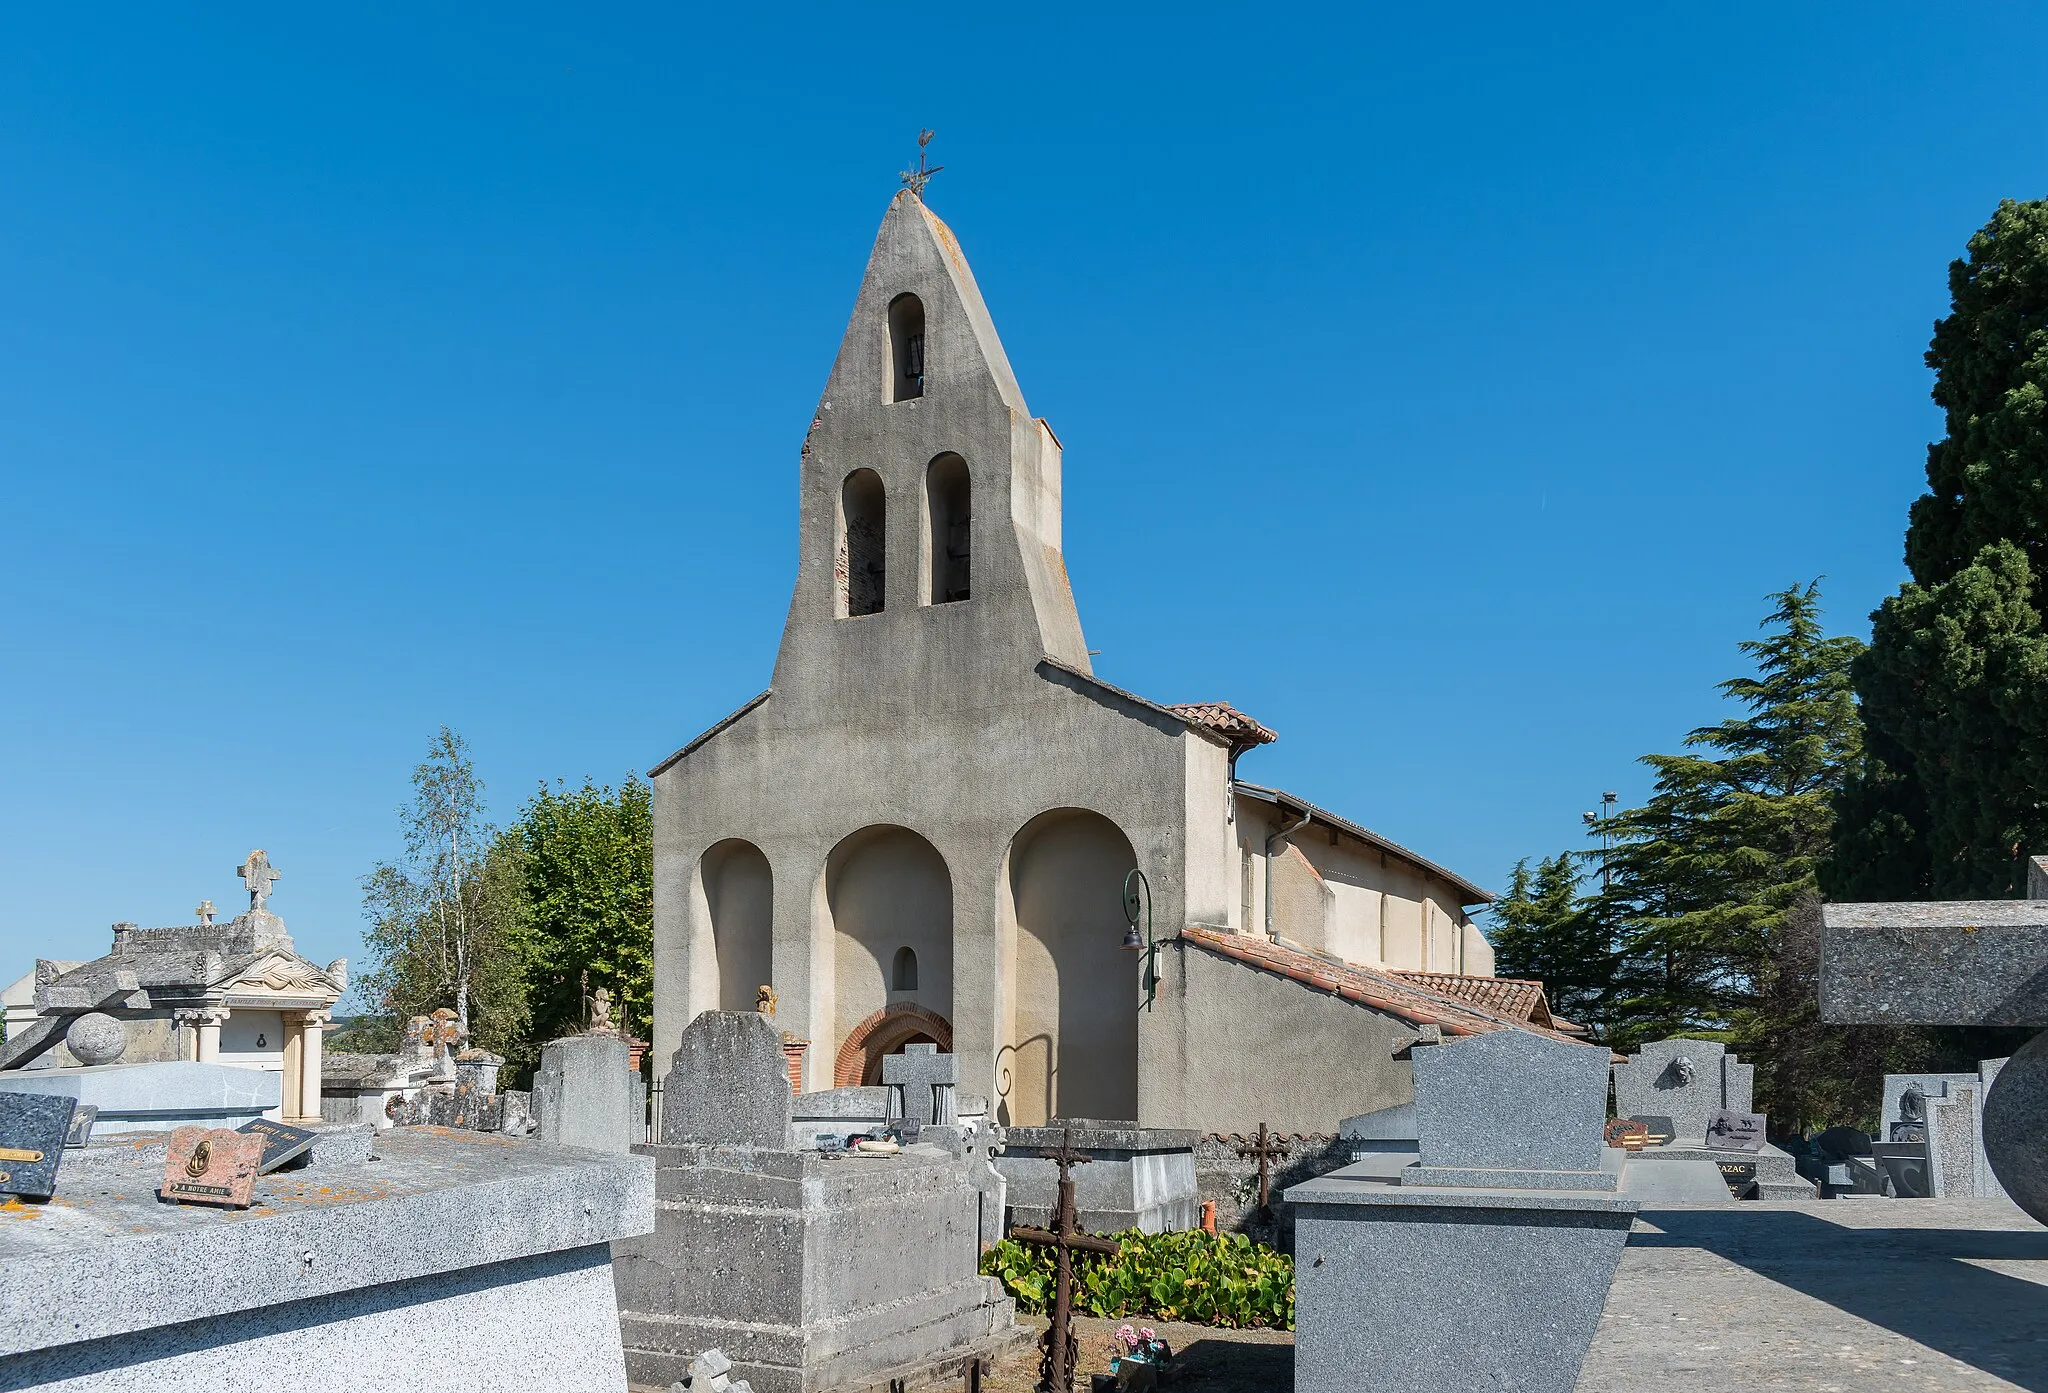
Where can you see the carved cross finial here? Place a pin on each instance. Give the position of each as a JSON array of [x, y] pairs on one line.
[[915, 179], [204, 909], [256, 873]]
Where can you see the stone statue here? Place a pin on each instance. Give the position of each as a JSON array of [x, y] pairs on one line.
[[765, 999], [601, 1022], [1682, 1070], [257, 874]]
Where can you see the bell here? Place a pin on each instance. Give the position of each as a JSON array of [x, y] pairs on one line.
[[1131, 939]]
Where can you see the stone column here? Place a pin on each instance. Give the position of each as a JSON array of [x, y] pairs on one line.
[[205, 1023], [310, 1051]]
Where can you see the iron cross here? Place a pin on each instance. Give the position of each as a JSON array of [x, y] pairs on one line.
[[1059, 1348], [1268, 1148]]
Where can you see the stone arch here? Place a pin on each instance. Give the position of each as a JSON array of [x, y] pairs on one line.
[[948, 530], [886, 1032], [1072, 1047], [906, 348], [739, 900], [860, 563], [887, 889]]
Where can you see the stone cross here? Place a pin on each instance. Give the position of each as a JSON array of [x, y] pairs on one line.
[[256, 873], [204, 909], [921, 1071]]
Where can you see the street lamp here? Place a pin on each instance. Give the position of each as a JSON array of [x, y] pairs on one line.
[[1133, 883]]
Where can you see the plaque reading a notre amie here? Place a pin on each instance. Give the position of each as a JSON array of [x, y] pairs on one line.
[[281, 1143], [215, 1166], [32, 1129]]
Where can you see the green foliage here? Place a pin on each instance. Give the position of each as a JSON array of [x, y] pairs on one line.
[[1703, 875], [447, 916], [1209, 1279], [1948, 804], [587, 857], [1543, 929]]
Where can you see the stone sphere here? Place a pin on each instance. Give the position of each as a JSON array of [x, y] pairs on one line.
[[96, 1038], [2016, 1127]]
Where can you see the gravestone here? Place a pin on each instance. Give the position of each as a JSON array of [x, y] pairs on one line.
[[281, 1142], [1137, 1177], [211, 1166], [926, 1079], [583, 1094], [1678, 1087], [1511, 1109], [728, 1085], [840, 1113], [33, 1130], [1488, 1272], [1963, 962]]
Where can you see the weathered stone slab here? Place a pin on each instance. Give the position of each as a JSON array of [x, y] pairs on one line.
[[1960, 962], [583, 1094], [728, 1085]]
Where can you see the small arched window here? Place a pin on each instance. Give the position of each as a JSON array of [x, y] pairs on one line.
[[906, 348], [903, 975], [948, 538], [860, 562]]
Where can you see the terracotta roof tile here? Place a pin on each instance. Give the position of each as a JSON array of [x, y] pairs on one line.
[[1226, 720], [1415, 1002], [1520, 997]]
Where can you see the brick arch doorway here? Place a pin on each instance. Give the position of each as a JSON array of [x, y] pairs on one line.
[[886, 1032]]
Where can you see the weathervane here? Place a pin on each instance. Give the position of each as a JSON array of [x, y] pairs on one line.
[[914, 179]]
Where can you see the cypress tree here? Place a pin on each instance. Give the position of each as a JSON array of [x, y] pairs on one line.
[[1542, 930], [1950, 801]]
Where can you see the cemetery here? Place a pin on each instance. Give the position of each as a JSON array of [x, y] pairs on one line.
[[933, 1094]]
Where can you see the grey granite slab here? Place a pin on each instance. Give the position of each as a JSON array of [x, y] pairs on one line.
[[1959, 962], [1510, 1100]]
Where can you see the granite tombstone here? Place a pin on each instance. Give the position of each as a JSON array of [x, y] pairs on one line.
[[281, 1142], [33, 1129], [211, 1166], [1735, 1131]]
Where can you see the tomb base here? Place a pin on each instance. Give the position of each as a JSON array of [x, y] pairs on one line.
[[1451, 1290], [1138, 1177], [1777, 1173], [349, 1277], [156, 1097], [810, 1271]]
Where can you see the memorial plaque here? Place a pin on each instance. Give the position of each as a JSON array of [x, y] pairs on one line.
[[214, 1166], [281, 1143], [1735, 1131], [1627, 1134], [81, 1124], [1659, 1128], [32, 1131], [1741, 1177]]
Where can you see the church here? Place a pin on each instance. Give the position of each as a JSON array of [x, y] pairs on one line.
[[925, 829]]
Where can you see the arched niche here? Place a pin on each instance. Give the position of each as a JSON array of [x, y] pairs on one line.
[[948, 530], [1073, 1046], [906, 348], [884, 1033], [887, 889], [739, 895], [860, 561]]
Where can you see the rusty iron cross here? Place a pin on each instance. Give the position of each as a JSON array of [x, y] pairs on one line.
[[916, 179], [1059, 1349], [1268, 1148]]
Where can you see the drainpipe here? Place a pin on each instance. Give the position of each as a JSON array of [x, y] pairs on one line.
[[1271, 842]]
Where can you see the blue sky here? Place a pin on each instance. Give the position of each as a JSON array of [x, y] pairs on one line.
[[1444, 389]]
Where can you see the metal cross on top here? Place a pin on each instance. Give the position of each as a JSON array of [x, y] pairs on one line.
[[1268, 1148], [915, 179], [1059, 1348]]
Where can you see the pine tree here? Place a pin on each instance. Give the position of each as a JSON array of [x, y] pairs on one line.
[[1950, 802], [1702, 877], [1542, 930]]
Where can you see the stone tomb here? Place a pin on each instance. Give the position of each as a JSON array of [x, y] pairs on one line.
[[155, 1097], [1137, 1178], [1467, 1283], [1963, 962], [809, 1270], [586, 1093], [461, 1262], [1933, 1127], [1689, 1081]]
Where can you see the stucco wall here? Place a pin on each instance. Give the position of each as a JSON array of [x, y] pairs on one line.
[[1236, 1046]]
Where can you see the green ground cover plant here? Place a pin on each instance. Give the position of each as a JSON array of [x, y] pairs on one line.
[[1204, 1278]]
